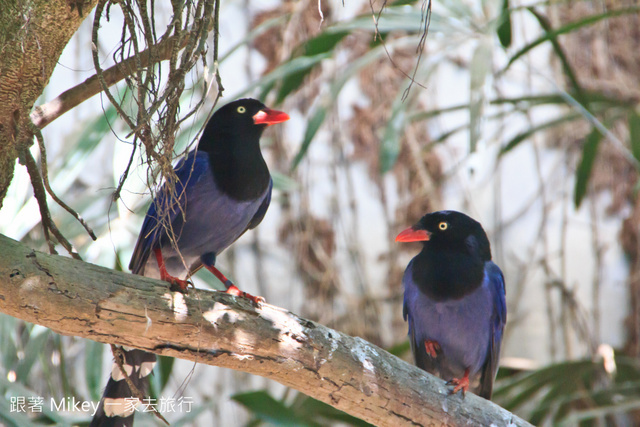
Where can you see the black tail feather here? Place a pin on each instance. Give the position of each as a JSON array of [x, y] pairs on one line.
[[118, 404]]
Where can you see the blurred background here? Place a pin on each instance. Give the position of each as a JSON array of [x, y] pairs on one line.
[[524, 115]]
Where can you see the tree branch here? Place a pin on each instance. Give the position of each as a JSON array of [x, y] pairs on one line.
[[85, 300], [44, 114]]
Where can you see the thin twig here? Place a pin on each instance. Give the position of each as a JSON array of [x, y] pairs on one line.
[[125, 174], [47, 186], [39, 193], [427, 20]]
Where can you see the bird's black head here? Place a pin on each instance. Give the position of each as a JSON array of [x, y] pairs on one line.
[[450, 231], [232, 140], [455, 251], [239, 122]]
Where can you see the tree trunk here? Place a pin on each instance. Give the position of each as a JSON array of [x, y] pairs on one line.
[[33, 35]]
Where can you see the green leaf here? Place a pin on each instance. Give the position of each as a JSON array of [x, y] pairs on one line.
[[165, 366], [253, 34], [400, 349], [578, 417], [289, 68], [634, 133], [390, 145], [190, 418], [38, 336], [312, 128], [479, 70], [263, 406], [566, 65], [283, 182], [513, 143], [583, 173], [162, 373], [554, 394], [321, 111], [8, 327], [17, 389], [313, 409], [504, 29], [93, 368], [549, 35], [324, 43]]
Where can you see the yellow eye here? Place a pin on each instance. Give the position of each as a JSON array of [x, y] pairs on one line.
[[241, 109], [443, 225]]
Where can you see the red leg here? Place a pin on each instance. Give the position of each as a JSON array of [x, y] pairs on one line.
[[431, 347], [460, 384], [164, 274], [231, 288]]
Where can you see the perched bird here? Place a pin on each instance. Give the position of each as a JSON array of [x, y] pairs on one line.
[[223, 189], [454, 301]]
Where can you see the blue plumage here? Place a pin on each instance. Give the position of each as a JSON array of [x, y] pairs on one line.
[[454, 301], [222, 189], [197, 224]]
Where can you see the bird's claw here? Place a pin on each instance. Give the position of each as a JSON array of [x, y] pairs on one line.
[[233, 290], [461, 384], [431, 347], [175, 284], [179, 285]]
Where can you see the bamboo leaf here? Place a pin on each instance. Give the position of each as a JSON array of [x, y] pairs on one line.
[[285, 70], [577, 417], [253, 34], [165, 366], [634, 133], [263, 406], [479, 70], [566, 65], [312, 409], [312, 128], [504, 29], [93, 368], [583, 173], [321, 44], [513, 143], [400, 349], [36, 340], [390, 145], [320, 113], [590, 20], [283, 182]]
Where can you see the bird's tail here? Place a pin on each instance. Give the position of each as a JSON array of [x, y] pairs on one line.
[[118, 404]]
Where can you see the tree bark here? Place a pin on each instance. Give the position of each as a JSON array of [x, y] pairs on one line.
[[33, 35], [81, 299]]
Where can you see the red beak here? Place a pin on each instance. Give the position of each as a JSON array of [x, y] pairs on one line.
[[413, 235], [267, 116]]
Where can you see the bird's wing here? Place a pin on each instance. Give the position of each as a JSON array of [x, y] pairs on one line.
[[165, 208], [411, 293], [262, 210], [255, 221], [498, 319]]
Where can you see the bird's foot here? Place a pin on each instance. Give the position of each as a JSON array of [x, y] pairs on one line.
[[233, 290], [431, 347], [461, 384], [177, 285]]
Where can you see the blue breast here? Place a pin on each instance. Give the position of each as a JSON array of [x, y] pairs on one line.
[[466, 329], [199, 220]]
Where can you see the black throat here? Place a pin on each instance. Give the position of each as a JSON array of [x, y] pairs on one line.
[[447, 275], [239, 169]]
